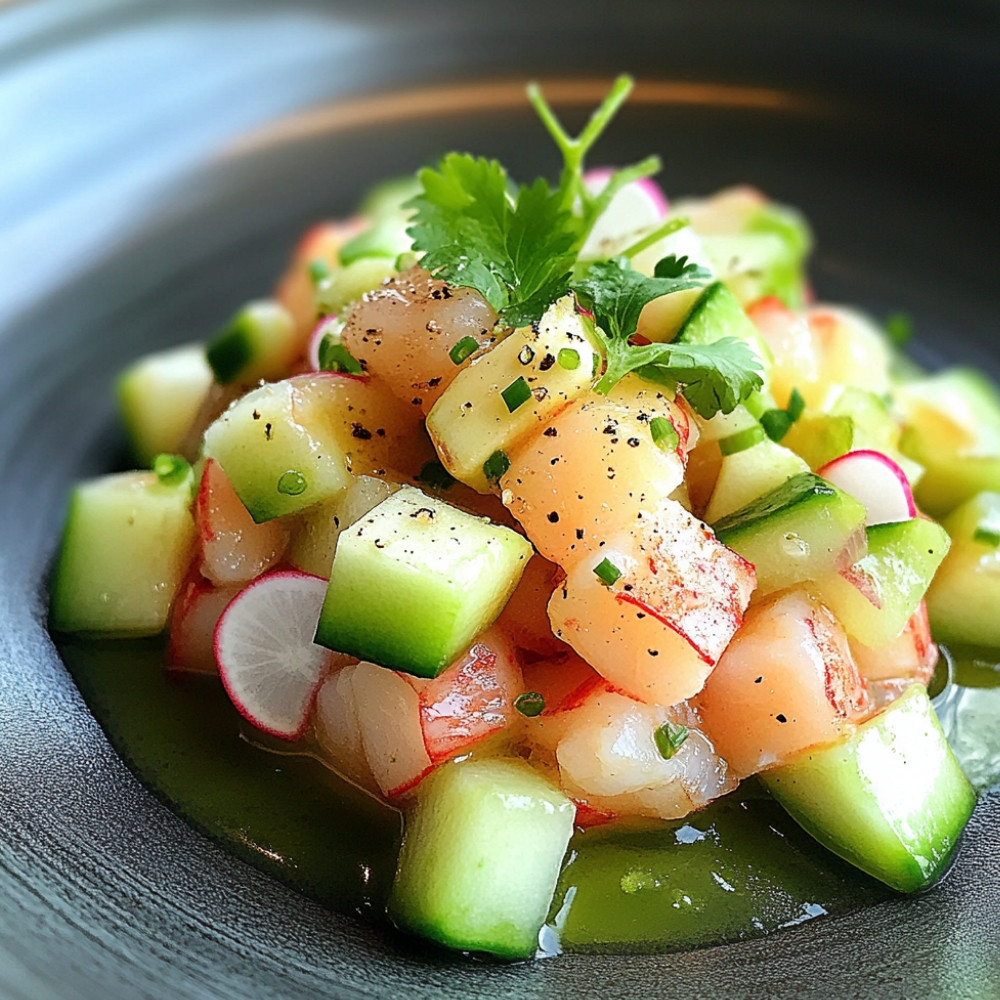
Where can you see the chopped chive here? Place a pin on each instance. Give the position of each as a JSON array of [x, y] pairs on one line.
[[171, 470], [319, 271], [987, 536], [664, 434], [231, 350], [292, 483], [776, 423], [334, 357], [568, 359], [668, 738], [496, 465], [530, 704], [465, 347], [796, 404], [607, 572], [899, 329], [435, 474], [516, 394], [742, 440]]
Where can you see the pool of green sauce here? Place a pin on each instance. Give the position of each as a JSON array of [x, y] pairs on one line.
[[740, 868]]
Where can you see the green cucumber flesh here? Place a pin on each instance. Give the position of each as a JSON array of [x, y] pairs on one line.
[[159, 396], [891, 799], [259, 342], [415, 580], [481, 856], [795, 532], [890, 580], [964, 598], [277, 450], [126, 546]]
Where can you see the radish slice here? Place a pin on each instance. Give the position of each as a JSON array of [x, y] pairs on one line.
[[877, 481], [638, 205], [269, 664]]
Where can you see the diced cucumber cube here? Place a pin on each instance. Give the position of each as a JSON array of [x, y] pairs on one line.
[[259, 342], [876, 597], [794, 533], [278, 450], [891, 799], [964, 599], [415, 580], [481, 857], [126, 546], [159, 396], [717, 314], [348, 283]]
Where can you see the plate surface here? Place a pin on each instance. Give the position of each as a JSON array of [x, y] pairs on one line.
[[159, 161]]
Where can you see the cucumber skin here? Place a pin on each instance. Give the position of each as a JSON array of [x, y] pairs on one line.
[[844, 794], [481, 857]]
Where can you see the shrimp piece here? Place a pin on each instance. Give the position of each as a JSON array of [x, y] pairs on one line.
[[608, 757], [656, 629], [404, 333], [596, 463], [337, 727], [234, 549], [296, 289], [911, 656], [523, 617], [786, 682], [471, 700]]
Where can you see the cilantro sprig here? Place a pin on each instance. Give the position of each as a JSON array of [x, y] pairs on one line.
[[715, 377], [516, 245]]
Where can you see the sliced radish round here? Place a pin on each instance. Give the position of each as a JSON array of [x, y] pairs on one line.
[[269, 664], [638, 205], [877, 481]]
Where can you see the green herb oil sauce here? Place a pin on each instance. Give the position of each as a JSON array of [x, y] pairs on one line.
[[740, 868]]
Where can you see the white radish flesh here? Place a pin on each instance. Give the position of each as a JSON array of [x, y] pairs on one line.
[[877, 481]]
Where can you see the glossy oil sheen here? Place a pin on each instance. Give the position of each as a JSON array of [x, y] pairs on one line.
[[739, 869]]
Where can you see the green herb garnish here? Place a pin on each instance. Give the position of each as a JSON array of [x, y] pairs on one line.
[[334, 357], [434, 474], [466, 347], [516, 245], [987, 536], [496, 465], [669, 738], [664, 434], [568, 358], [899, 329], [530, 704], [171, 470], [516, 394], [777, 423], [607, 572], [319, 271], [715, 377]]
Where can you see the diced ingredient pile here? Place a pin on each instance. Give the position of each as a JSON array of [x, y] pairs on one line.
[[536, 506]]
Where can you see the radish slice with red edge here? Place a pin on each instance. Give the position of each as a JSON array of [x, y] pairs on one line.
[[877, 481], [639, 205], [268, 662]]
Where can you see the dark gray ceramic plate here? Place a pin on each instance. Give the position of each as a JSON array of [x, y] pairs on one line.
[[157, 160]]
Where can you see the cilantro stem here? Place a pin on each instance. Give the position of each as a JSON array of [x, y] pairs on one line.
[[668, 227]]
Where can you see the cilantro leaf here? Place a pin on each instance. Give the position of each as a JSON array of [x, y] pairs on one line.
[[715, 377], [515, 245]]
